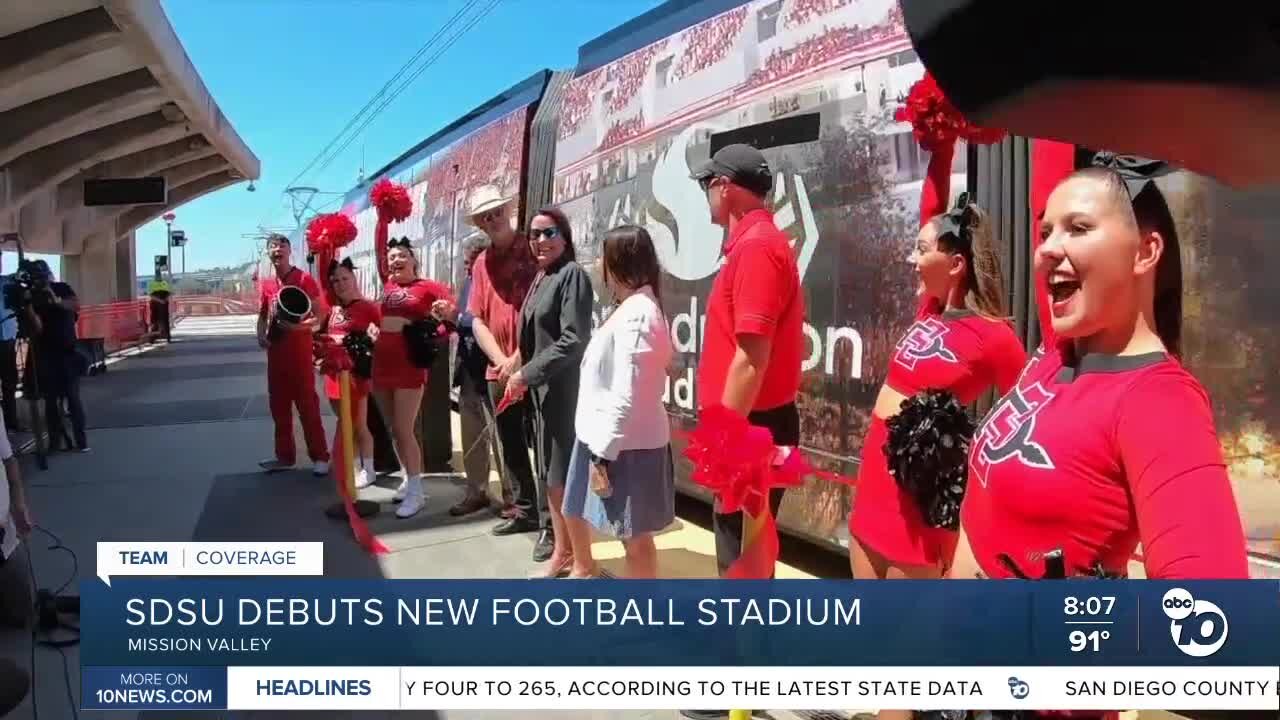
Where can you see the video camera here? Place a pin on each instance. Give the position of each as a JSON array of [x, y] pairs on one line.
[[28, 286]]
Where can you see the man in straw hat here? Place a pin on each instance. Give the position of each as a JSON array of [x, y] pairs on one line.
[[500, 280]]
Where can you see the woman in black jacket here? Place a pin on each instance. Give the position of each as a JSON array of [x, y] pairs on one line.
[[555, 325]]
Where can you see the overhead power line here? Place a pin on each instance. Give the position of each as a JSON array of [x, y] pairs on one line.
[[406, 67], [475, 20], [423, 50]]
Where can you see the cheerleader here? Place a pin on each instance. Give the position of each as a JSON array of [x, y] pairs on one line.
[[352, 313], [960, 342], [1106, 442], [399, 364]]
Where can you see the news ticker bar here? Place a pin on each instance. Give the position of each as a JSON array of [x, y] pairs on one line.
[[657, 688]]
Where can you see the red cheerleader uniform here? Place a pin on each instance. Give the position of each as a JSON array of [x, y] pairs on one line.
[[359, 315], [954, 350], [392, 369], [1094, 456]]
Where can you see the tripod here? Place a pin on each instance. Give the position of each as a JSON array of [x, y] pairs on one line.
[[33, 396]]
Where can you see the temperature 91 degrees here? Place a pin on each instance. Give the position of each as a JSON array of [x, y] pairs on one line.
[[1090, 640], [1094, 610]]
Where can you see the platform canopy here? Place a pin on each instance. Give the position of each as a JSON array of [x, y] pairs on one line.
[[102, 89], [1196, 84]]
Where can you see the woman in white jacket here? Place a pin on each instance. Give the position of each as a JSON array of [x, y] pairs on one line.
[[621, 478]]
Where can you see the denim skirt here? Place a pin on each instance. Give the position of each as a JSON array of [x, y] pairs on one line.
[[644, 492]]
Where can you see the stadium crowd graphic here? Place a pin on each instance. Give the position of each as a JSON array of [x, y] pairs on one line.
[[803, 12], [821, 49], [627, 76], [706, 44]]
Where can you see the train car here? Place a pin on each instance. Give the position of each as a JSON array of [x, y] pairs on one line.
[[817, 82]]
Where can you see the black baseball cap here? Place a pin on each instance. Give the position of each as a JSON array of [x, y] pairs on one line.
[[742, 164]]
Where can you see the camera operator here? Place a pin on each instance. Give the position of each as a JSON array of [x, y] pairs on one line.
[[52, 313]]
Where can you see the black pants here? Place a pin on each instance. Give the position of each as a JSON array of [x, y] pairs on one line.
[[9, 382], [784, 423], [435, 421], [553, 439], [160, 318], [69, 390], [516, 470], [385, 460]]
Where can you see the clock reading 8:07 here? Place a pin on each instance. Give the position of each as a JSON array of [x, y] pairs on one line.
[[1092, 605]]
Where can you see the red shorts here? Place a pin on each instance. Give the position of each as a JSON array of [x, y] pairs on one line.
[[359, 388], [886, 518], [391, 367]]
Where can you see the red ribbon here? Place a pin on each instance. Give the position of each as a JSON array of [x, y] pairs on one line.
[[359, 528], [333, 359], [740, 463]]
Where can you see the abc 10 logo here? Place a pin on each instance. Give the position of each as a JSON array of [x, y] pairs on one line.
[[1199, 627]]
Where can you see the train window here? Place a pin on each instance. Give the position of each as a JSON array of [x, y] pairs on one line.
[[767, 20], [663, 70], [794, 130], [906, 57]]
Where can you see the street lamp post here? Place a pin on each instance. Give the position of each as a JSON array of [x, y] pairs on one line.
[[168, 243]]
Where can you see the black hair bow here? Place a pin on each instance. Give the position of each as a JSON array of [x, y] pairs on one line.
[[344, 262], [403, 242], [957, 221], [1137, 173]]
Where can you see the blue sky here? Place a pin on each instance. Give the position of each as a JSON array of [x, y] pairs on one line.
[[289, 74]]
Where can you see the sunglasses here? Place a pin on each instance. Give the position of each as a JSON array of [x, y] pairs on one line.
[[488, 216], [707, 183], [551, 233]]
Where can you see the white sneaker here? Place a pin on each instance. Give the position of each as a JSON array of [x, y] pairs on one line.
[[414, 500], [363, 479], [402, 490], [320, 469]]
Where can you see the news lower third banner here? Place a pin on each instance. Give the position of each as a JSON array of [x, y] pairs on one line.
[[296, 643]]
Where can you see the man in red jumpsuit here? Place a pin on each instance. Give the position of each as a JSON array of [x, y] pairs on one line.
[[291, 378]]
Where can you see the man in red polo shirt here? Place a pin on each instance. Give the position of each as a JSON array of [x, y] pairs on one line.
[[753, 343]]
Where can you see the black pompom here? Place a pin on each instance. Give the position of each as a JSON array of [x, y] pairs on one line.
[[360, 347], [422, 339], [928, 454]]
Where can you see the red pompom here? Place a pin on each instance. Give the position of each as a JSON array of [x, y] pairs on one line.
[[329, 232], [332, 357], [736, 460], [936, 122], [391, 201]]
